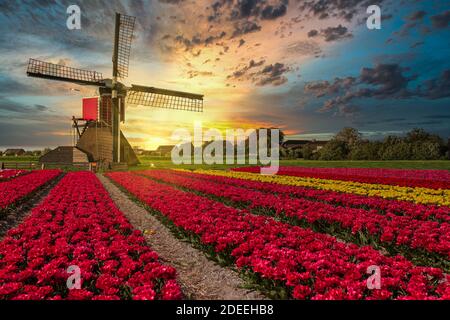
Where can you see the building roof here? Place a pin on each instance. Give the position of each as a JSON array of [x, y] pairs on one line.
[[65, 155], [165, 148], [14, 150], [299, 143], [295, 142]]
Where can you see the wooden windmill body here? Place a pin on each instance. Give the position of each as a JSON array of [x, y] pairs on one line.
[[100, 138]]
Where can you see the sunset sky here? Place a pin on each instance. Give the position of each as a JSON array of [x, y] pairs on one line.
[[307, 67]]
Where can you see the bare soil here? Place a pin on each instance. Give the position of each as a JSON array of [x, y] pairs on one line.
[[199, 277]]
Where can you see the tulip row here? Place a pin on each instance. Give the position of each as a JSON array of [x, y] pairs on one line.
[[16, 189], [77, 224], [380, 205], [416, 195], [300, 263], [10, 174], [433, 179], [399, 234]]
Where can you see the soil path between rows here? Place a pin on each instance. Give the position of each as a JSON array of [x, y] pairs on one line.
[[200, 278]]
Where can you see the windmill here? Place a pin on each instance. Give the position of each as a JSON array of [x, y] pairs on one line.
[[114, 96]]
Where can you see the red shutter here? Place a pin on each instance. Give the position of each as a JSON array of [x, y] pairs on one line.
[[90, 108]]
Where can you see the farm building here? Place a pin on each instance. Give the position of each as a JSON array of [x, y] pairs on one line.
[[164, 151], [65, 155], [294, 144], [139, 151], [294, 147], [94, 145], [14, 152], [298, 144]]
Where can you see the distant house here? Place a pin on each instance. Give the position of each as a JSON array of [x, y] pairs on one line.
[[294, 147], [14, 152], [164, 151], [320, 144], [139, 151], [147, 153], [294, 144], [65, 155]]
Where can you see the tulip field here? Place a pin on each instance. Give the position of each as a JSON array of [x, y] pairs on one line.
[[14, 190], [304, 233], [78, 224], [286, 239], [9, 174]]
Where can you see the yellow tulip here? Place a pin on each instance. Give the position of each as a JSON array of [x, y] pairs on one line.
[[413, 194]]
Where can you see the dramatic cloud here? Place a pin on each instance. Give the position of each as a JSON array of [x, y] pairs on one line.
[[415, 20], [40, 107], [384, 81], [388, 77], [273, 12], [335, 33], [336, 8], [442, 20], [245, 27], [12, 106], [195, 73], [244, 70], [304, 48], [417, 15], [196, 41], [322, 88], [272, 74], [313, 33], [247, 9], [331, 33], [259, 9], [437, 88], [417, 44]]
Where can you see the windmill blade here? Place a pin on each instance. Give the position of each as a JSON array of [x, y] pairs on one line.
[[162, 98], [47, 70], [122, 44]]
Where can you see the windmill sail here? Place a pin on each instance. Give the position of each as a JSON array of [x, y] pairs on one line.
[[122, 44], [162, 98], [123, 36], [47, 70]]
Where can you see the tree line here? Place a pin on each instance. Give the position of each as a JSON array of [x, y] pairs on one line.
[[348, 144]]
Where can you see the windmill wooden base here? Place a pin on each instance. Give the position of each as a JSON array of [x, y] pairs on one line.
[[97, 143]]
